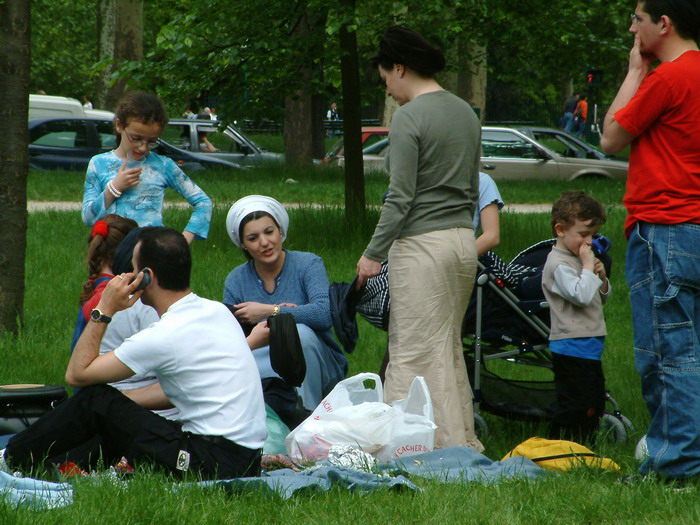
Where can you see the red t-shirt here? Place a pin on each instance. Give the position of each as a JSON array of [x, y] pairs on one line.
[[91, 303], [663, 183]]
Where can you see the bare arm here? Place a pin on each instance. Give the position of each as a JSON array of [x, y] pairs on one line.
[[490, 229], [86, 366], [151, 397], [615, 137]]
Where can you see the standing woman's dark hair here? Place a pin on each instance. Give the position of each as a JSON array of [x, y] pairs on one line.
[[105, 236], [404, 46]]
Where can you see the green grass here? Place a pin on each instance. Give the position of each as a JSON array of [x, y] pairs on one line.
[[56, 270]]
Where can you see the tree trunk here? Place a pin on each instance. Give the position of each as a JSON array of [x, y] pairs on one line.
[[120, 24], [15, 62], [468, 82], [352, 124], [471, 80], [298, 130]]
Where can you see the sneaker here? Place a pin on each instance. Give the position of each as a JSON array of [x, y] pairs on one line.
[[71, 470], [3, 464]]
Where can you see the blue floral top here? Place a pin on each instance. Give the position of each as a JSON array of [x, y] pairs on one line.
[[144, 202]]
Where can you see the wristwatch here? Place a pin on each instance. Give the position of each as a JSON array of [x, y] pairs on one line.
[[99, 317]]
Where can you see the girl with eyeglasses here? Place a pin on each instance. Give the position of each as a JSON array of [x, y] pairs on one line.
[[131, 180]]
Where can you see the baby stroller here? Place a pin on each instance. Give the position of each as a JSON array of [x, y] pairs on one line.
[[507, 326]]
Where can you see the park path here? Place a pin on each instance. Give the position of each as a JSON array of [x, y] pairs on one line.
[[38, 206]]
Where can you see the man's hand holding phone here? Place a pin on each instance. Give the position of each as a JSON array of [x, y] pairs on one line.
[[123, 291]]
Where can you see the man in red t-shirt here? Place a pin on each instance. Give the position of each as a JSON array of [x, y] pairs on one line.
[[658, 113], [581, 115]]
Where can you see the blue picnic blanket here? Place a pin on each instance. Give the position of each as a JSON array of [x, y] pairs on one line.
[[446, 465]]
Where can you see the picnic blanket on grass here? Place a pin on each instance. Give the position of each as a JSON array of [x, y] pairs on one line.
[[445, 465]]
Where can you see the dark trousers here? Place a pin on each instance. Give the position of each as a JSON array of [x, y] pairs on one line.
[[124, 428], [580, 388]]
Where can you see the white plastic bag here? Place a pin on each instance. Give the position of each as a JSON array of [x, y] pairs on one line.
[[353, 414], [413, 430]]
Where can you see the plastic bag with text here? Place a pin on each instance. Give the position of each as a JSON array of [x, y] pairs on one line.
[[353, 414]]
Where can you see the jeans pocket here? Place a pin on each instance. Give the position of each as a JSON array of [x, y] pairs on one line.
[[638, 265], [683, 266]]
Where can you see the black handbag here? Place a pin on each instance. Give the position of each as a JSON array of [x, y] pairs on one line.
[[22, 405]]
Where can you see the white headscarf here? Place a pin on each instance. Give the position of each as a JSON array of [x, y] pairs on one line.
[[247, 205]]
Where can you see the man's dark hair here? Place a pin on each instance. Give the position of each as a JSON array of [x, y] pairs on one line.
[[401, 45], [685, 15], [579, 205], [166, 252]]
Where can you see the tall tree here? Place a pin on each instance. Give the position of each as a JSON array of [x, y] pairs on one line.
[[354, 170], [14, 157], [120, 26]]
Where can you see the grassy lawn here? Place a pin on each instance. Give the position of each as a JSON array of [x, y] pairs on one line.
[[56, 271]]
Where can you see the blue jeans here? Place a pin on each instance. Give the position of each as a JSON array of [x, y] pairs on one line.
[[663, 273], [568, 121]]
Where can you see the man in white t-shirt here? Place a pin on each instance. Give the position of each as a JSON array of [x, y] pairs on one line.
[[204, 365]]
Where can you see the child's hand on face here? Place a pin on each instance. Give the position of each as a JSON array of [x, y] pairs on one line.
[[585, 253]]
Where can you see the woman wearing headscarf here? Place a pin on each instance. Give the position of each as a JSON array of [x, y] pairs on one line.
[[426, 229], [275, 280]]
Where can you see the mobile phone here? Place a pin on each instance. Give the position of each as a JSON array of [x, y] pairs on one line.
[[145, 281]]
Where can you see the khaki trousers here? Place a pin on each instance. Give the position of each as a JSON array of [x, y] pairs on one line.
[[431, 277]]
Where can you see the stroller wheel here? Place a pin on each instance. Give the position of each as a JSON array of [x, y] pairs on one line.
[[614, 428], [481, 427], [625, 421]]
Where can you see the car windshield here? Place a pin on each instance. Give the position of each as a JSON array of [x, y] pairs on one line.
[[225, 140], [564, 145], [506, 144]]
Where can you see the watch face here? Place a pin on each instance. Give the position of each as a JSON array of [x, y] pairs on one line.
[[99, 317]]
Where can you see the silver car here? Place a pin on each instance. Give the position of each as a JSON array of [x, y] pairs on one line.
[[543, 153], [231, 144], [528, 153]]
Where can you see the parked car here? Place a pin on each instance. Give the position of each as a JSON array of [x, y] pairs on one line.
[[543, 153], [370, 136], [527, 153], [68, 143], [44, 106], [231, 143]]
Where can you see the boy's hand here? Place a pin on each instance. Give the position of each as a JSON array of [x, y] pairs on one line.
[[585, 253], [599, 270]]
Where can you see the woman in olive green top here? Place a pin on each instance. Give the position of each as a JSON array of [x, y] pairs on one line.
[[425, 229]]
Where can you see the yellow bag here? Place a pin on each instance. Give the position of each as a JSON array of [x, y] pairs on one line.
[[557, 454]]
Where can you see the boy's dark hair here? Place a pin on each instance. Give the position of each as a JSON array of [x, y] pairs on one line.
[[141, 106], [685, 15], [579, 205], [254, 216], [166, 252], [401, 45]]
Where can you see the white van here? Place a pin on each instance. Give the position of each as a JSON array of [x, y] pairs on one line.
[[51, 106]]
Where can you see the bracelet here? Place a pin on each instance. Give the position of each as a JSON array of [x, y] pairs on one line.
[[114, 191], [275, 310]]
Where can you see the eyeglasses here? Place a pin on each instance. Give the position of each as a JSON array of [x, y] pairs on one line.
[[636, 19], [151, 144]]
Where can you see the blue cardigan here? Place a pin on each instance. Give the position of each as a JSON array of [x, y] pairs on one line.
[[302, 281]]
